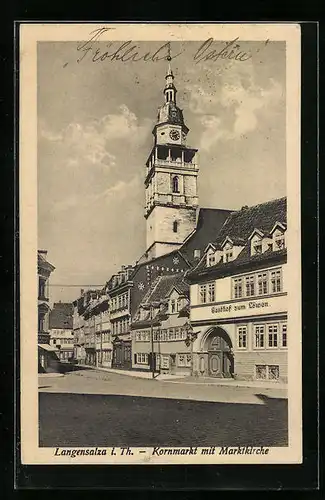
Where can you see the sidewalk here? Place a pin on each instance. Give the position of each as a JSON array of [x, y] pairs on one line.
[[132, 373], [185, 379], [230, 382]]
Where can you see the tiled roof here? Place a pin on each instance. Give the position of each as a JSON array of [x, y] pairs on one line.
[[61, 315], [165, 284], [239, 227], [241, 224], [209, 224]]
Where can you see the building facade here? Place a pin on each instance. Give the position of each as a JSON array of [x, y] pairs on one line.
[[160, 340], [47, 360], [61, 330], [92, 330], [238, 297]]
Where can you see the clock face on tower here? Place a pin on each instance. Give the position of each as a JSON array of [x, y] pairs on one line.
[[174, 135]]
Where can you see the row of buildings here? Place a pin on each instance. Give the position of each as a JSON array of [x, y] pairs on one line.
[[209, 295], [55, 324]]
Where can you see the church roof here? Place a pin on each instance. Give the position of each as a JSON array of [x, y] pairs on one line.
[[170, 113], [210, 221]]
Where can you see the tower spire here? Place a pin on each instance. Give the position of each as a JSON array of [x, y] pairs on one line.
[[170, 89]]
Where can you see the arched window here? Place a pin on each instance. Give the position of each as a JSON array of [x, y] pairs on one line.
[[175, 184], [175, 226]]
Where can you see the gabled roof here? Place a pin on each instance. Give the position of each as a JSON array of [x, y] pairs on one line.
[[242, 223], [210, 221], [61, 316], [165, 284]]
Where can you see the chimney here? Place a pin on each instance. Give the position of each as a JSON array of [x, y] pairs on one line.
[[43, 252], [82, 291]]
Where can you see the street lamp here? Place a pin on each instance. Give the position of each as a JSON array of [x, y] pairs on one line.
[[151, 306]]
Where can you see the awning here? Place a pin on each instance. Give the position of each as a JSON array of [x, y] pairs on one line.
[[47, 347]]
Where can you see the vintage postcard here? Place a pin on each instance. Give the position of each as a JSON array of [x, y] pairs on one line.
[[159, 176]]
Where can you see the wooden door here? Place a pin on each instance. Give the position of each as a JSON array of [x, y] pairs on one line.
[[216, 364]]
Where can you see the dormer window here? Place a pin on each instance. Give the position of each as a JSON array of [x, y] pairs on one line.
[[256, 242], [278, 236], [257, 247], [172, 306], [211, 259], [279, 243], [229, 251]]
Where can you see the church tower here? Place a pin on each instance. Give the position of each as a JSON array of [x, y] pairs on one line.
[[171, 179]]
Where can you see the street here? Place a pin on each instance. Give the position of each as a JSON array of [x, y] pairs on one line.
[[93, 408]]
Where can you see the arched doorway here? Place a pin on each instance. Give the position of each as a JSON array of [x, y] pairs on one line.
[[220, 356]]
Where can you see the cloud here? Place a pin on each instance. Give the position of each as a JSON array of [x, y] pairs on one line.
[[118, 191], [232, 109], [93, 142]]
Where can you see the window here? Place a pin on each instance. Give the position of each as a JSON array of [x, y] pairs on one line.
[[173, 306], [211, 259], [262, 283], [207, 293], [54, 341], [242, 337], [276, 281], [260, 371], [142, 358], [171, 333], [257, 247], [284, 335], [178, 334], [279, 241], [238, 287], [228, 256], [270, 372], [178, 305], [175, 184], [273, 372], [250, 285], [259, 337], [211, 292], [273, 335], [175, 226], [163, 335], [203, 294], [184, 360]]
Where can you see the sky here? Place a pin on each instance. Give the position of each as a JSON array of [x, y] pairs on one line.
[[95, 124]]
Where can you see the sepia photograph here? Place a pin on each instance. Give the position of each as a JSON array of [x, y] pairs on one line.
[[160, 249]]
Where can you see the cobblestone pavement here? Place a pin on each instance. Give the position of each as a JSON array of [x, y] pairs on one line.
[[89, 408]]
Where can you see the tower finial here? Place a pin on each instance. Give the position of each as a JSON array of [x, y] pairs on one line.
[[168, 54]]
